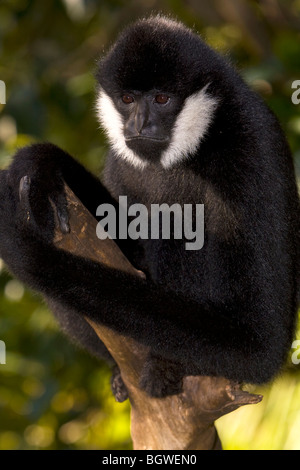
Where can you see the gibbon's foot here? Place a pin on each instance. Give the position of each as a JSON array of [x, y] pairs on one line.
[[160, 377], [118, 387]]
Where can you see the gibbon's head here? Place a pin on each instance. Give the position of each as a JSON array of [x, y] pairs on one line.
[[157, 92]]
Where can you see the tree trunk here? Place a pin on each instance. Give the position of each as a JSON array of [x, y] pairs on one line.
[[180, 422]]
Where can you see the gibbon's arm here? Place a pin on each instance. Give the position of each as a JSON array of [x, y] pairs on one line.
[[203, 338]]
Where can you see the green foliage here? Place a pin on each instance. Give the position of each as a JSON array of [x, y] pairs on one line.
[[53, 396]]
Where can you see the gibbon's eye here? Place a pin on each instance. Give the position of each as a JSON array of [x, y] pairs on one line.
[[161, 98], [127, 99]]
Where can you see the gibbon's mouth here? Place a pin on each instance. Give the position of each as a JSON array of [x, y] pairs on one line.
[[144, 137]]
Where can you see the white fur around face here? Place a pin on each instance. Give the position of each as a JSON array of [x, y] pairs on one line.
[[112, 123], [190, 128]]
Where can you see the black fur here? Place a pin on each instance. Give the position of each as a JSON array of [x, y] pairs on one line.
[[228, 309]]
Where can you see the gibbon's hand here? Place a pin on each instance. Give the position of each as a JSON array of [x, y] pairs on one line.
[[55, 205], [32, 205], [35, 183]]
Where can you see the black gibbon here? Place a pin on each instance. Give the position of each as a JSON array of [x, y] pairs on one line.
[[183, 128]]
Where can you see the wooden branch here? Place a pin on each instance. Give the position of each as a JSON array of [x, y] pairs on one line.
[[181, 422]]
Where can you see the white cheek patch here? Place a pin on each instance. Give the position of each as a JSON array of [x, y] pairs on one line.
[[112, 123], [191, 126]]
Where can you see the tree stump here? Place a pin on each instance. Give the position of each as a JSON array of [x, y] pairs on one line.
[[179, 422]]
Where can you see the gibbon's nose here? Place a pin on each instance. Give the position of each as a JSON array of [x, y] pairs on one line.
[[140, 123], [141, 117]]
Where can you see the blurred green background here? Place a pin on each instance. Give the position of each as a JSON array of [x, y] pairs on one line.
[[53, 396]]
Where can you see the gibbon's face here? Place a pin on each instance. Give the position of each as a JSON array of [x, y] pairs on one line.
[[150, 104]]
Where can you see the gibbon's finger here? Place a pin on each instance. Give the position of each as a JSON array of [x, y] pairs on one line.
[[24, 192], [61, 209]]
